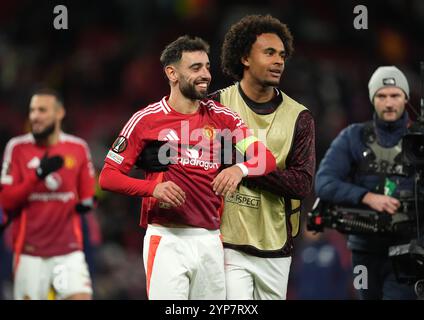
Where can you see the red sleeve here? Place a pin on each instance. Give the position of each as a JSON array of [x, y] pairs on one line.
[[15, 196], [121, 158], [16, 186], [128, 145], [260, 160], [86, 178], [112, 179], [297, 179]]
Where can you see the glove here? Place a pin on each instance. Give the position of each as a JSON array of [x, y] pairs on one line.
[[48, 165], [86, 205], [148, 160]]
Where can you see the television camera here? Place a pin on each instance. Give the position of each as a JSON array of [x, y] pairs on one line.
[[406, 225]]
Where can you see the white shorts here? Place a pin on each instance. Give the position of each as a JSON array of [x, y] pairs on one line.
[[183, 263], [67, 275], [254, 278]]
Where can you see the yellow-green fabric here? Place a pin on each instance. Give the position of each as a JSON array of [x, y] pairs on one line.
[[253, 217]]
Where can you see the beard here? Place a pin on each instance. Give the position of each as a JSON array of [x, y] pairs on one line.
[[271, 83], [44, 134], [189, 91]]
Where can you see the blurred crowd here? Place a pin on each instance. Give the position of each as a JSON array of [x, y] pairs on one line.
[[107, 66]]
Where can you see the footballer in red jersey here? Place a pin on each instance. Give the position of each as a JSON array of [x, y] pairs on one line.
[[183, 254], [47, 179]]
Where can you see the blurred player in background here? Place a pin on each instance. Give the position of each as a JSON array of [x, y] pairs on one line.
[[48, 181], [183, 253]]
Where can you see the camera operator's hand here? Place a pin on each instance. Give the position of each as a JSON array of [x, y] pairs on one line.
[[381, 203], [48, 165]]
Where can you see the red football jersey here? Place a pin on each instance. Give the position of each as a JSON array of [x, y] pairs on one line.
[[48, 224], [194, 144]]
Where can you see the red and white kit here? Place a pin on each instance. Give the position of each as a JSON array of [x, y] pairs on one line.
[[193, 140], [47, 226]]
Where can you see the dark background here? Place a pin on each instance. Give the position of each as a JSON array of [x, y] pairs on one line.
[[106, 65]]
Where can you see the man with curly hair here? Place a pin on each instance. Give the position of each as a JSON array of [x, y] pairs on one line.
[[181, 210], [261, 219]]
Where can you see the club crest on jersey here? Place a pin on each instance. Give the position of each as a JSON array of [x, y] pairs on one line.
[[120, 144], [209, 132], [69, 161]]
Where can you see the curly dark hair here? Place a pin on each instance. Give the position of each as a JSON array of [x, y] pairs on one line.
[[239, 40], [174, 51]]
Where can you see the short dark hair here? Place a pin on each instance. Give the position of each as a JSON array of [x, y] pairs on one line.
[[49, 92], [242, 35], [174, 51]]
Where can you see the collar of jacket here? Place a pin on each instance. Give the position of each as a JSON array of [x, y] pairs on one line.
[[389, 133]]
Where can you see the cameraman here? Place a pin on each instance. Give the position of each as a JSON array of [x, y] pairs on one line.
[[363, 167]]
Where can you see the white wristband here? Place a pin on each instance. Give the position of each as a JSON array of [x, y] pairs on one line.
[[243, 169]]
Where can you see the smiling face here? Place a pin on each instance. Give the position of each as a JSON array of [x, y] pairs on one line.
[[389, 103], [45, 115], [193, 75], [265, 62]]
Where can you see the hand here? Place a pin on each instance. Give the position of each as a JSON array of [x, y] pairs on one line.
[[86, 205], [48, 165], [170, 193], [381, 203], [148, 160], [226, 182]]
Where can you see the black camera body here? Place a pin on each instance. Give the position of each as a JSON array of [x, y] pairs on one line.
[[406, 225], [360, 220], [407, 257]]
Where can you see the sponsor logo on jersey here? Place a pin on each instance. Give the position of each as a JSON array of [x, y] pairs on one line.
[[192, 153], [194, 159], [53, 181], [120, 144], [52, 196], [244, 200], [115, 157]]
